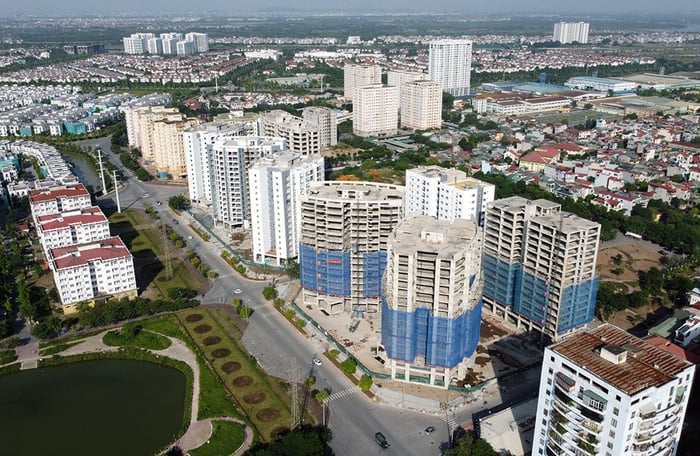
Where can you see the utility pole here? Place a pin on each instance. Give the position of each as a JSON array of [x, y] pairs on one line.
[[166, 251], [116, 191], [295, 400], [102, 171]]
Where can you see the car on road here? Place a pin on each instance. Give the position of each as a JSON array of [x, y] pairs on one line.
[[237, 291], [317, 361], [189, 238], [381, 440], [158, 203], [429, 430]]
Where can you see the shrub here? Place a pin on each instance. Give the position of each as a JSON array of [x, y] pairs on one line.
[[289, 313], [333, 353], [278, 303], [269, 292], [348, 366], [300, 322], [365, 383]]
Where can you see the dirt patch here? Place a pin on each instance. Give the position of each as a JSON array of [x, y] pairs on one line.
[[231, 366], [634, 257], [221, 353], [201, 329], [490, 331], [242, 382], [472, 378], [481, 360], [212, 340], [191, 318], [255, 397], [279, 431], [267, 414]]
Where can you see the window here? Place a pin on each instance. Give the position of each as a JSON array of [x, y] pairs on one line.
[[613, 422], [616, 411], [612, 434]]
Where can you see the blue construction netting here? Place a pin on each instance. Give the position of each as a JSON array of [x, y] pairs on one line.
[[373, 266], [499, 279], [532, 298], [444, 342], [324, 271], [577, 305]]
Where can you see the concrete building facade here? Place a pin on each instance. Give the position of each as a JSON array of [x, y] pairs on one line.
[[91, 272], [431, 309], [345, 228], [276, 186], [571, 32], [355, 76], [80, 226], [539, 266], [230, 161], [325, 119], [376, 111], [450, 65], [446, 194], [302, 137], [421, 105], [607, 392]]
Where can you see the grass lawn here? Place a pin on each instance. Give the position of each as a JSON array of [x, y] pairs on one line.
[[7, 356], [241, 376], [226, 438], [154, 274], [66, 340], [142, 339], [58, 348]]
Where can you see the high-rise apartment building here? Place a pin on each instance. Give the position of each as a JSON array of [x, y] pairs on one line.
[[539, 266], [421, 105], [168, 146], [450, 65], [154, 46], [398, 78], [276, 186], [607, 392], [186, 47], [302, 137], [355, 75], [431, 310], [137, 43], [375, 110], [345, 228], [325, 119], [198, 143], [169, 41], [570, 32], [446, 194], [230, 160], [200, 40]]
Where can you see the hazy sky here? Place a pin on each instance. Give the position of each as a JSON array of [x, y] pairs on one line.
[[590, 7]]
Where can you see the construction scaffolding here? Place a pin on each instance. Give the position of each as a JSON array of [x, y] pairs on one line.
[[500, 279], [324, 271]]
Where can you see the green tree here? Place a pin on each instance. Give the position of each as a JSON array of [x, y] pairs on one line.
[[309, 382], [322, 395], [365, 383], [652, 280], [469, 446], [348, 366], [179, 202]]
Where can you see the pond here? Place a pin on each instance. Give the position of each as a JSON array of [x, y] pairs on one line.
[[105, 407], [83, 171]]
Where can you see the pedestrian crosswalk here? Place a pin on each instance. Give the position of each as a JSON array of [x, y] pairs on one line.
[[343, 393], [449, 418]]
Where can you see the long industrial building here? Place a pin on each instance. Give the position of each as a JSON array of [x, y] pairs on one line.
[[607, 392], [431, 311], [345, 227], [539, 266]]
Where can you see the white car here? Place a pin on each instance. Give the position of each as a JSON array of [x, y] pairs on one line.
[[317, 361], [237, 291]]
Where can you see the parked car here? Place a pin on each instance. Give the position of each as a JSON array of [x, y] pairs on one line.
[[317, 361], [429, 430], [381, 440]]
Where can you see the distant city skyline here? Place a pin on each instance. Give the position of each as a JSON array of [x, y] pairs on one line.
[[504, 7]]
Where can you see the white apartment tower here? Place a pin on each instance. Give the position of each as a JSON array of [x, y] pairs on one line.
[[201, 41], [421, 105], [198, 143], [539, 266], [302, 137], [432, 280], [375, 110], [450, 65], [607, 392], [446, 194], [137, 43], [398, 78], [355, 75], [570, 32], [230, 160], [276, 185], [325, 119], [345, 228]]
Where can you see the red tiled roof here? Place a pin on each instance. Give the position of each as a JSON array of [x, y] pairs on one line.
[[72, 191], [77, 255], [83, 217]]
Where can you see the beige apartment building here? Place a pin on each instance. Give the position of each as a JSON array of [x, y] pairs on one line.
[[376, 110], [421, 105], [356, 76]]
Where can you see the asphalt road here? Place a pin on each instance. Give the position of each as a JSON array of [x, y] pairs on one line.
[[353, 418]]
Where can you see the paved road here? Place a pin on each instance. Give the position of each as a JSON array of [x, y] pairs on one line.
[[353, 418]]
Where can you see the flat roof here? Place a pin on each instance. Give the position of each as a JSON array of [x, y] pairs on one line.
[[646, 365], [511, 429], [355, 191], [83, 216], [443, 237], [81, 254], [565, 222]]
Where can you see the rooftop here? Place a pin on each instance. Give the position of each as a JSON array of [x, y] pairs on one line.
[[82, 216], [72, 191], [358, 191], [81, 254], [426, 234], [645, 366]]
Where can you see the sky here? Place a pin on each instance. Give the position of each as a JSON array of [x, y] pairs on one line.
[[506, 7]]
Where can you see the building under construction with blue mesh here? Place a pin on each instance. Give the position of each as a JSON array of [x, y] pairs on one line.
[[345, 227], [539, 266], [431, 311]]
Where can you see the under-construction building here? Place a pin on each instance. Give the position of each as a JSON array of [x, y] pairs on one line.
[[345, 227], [431, 306], [539, 266]]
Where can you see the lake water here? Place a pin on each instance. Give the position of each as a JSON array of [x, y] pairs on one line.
[[105, 407], [83, 171]]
